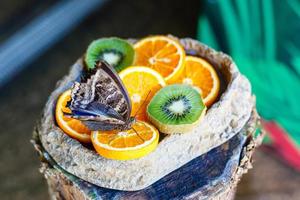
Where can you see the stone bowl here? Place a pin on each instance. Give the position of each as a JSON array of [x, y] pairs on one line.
[[224, 119]]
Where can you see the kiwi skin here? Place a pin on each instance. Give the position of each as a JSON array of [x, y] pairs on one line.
[[172, 128]]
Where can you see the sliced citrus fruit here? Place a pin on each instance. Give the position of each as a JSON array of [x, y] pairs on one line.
[[163, 54], [200, 74], [126, 145], [73, 127], [141, 83]]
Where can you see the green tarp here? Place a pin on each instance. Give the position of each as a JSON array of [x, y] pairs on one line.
[[263, 37]]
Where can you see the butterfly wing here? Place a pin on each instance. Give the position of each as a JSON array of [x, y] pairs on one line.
[[100, 100], [115, 77]]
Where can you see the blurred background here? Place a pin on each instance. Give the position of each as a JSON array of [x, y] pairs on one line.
[[31, 67]]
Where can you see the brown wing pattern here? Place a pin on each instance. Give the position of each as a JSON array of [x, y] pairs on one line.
[[114, 76], [106, 90], [101, 87]]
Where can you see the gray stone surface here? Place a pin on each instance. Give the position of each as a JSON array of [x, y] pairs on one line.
[[222, 121]]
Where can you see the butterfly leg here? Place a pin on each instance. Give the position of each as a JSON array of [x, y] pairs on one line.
[[138, 134]]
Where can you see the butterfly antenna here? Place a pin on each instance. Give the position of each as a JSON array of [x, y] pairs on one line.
[[138, 134], [139, 109]]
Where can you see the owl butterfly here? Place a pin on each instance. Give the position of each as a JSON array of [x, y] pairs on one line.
[[100, 100]]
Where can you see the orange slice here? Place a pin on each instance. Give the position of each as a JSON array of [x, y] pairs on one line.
[[141, 83], [73, 127], [126, 145], [163, 54], [199, 73]]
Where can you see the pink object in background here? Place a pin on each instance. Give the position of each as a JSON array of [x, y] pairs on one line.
[[282, 144]]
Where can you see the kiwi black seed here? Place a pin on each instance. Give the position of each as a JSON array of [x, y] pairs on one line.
[[176, 108], [115, 51]]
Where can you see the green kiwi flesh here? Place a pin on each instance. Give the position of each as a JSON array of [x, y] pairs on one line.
[[115, 51], [176, 108]]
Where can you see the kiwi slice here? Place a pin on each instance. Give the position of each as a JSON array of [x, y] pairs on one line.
[[176, 109], [115, 51]]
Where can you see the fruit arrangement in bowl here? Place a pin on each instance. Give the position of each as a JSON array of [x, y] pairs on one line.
[[132, 111], [157, 87]]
